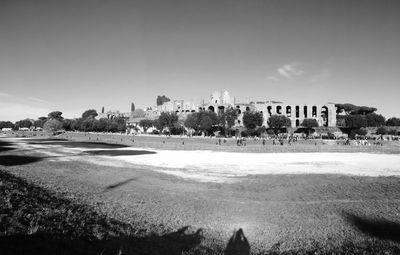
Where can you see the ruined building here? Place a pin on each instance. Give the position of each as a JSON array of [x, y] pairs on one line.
[[325, 114]]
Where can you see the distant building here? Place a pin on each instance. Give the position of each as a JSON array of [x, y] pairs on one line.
[[325, 114]]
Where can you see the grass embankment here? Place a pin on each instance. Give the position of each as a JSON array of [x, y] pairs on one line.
[[229, 144], [37, 221]]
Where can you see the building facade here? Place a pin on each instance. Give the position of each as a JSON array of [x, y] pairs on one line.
[[324, 114]]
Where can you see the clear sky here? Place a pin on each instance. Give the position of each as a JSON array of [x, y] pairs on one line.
[[75, 55]]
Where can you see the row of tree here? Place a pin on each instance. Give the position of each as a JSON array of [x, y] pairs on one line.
[[367, 120], [55, 121], [208, 122]]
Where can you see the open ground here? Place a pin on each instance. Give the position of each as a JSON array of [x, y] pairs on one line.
[[314, 202]]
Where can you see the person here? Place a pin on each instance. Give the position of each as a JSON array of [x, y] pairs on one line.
[[219, 141], [263, 141]]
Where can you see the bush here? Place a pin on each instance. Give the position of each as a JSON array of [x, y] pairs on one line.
[[381, 131], [355, 132]]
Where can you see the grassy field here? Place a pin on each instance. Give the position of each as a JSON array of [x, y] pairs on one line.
[[198, 143], [74, 201]]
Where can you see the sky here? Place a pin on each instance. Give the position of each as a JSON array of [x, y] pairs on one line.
[[75, 55]]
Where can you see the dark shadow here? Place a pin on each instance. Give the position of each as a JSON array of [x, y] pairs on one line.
[[2, 149], [5, 143], [86, 145], [45, 139], [13, 160], [172, 243], [238, 244], [6, 146], [118, 152], [380, 228], [119, 184]]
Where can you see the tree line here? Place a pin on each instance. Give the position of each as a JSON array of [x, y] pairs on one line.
[[55, 121], [351, 118]]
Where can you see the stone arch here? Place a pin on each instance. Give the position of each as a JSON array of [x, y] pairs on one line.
[[324, 116], [279, 109], [288, 111], [305, 111], [221, 109], [269, 109], [297, 111], [211, 108], [297, 122], [314, 111]]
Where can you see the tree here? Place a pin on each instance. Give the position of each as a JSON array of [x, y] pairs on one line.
[[354, 109], [381, 131], [146, 124], [393, 122], [162, 99], [278, 121], [121, 123], [87, 124], [193, 121], [100, 125], [89, 114], [251, 119], [52, 125], [309, 124], [40, 122], [227, 119], [355, 121], [6, 124], [132, 107], [25, 123], [67, 124], [55, 115], [346, 108], [167, 119], [207, 120], [375, 120], [203, 121]]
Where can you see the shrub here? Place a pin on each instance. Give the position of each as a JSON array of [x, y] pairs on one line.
[[381, 131]]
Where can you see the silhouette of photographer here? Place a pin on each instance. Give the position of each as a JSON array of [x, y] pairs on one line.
[[238, 244]]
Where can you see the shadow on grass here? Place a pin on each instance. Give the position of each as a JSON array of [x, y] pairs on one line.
[[2, 149], [380, 228], [238, 244], [118, 152], [6, 146], [71, 144], [118, 184], [172, 243], [14, 160]]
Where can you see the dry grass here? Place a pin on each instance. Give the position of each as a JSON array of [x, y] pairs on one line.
[[196, 143]]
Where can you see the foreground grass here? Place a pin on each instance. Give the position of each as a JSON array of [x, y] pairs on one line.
[[37, 221]]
